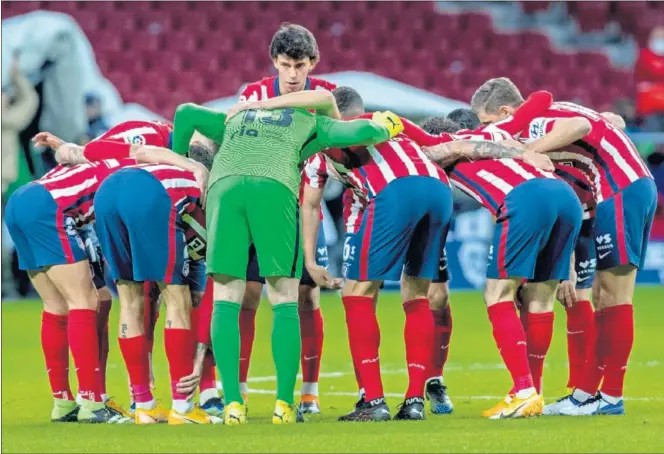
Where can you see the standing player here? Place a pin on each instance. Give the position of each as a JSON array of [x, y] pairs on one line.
[[144, 239], [256, 186], [537, 248], [626, 195], [294, 53]]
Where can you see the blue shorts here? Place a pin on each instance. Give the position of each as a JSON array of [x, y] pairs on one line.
[[254, 272], [536, 231], [42, 233], [139, 229], [400, 227], [585, 260], [95, 256], [623, 223]]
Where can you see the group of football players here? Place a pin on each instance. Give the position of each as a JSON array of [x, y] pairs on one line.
[[566, 186]]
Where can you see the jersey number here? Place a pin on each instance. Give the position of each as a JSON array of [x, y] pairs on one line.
[[283, 118]]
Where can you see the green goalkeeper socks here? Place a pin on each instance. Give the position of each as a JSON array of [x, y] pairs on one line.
[[226, 347], [286, 348]]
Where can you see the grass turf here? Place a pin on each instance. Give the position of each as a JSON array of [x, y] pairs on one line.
[[473, 375]]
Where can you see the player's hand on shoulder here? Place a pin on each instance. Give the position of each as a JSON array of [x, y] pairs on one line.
[[323, 278], [538, 160], [241, 107], [390, 120]]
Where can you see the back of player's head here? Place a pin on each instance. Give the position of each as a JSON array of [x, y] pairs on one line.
[[349, 101], [465, 118], [440, 125], [294, 41], [202, 154], [495, 93]]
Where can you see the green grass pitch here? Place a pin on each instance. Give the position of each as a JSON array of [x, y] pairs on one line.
[[474, 376]]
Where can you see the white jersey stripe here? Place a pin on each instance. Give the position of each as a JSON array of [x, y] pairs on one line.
[[466, 190], [495, 180], [130, 133], [64, 175], [178, 183], [634, 152], [155, 167], [73, 190], [516, 168], [431, 167], [383, 166], [312, 169], [404, 157], [620, 161]]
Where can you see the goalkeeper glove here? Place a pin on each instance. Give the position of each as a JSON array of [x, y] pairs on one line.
[[390, 120]]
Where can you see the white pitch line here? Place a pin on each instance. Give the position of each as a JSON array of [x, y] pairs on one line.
[[354, 394]]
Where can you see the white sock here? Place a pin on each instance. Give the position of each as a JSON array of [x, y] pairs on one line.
[[610, 399], [310, 388], [581, 396], [104, 397], [360, 393], [146, 405], [219, 385], [208, 394], [244, 389], [182, 405], [525, 393]]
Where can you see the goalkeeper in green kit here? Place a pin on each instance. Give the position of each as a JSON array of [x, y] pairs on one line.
[[252, 197]]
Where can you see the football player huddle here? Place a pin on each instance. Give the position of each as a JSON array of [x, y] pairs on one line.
[[202, 213]]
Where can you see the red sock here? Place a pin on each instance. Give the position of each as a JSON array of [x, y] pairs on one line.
[[208, 377], [311, 329], [511, 341], [247, 334], [358, 377], [364, 340], [580, 338], [442, 325], [151, 312], [56, 353], [593, 371], [102, 333], [418, 335], [180, 353], [618, 339], [135, 353], [84, 345], [538, 337]]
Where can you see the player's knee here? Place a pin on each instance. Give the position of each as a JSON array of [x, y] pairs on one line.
[[361, 288], [228, 288], [583, 294], [438, 296], [308, 298], [539, 297], [414, 287], [282, 289], [498, 290]]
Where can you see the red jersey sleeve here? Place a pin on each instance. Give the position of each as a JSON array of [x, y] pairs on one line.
[[315, 172], [536, 104]]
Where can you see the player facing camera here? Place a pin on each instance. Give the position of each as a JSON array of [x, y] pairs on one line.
[[294, 53]]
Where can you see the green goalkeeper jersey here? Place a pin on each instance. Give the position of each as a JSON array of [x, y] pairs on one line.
[[269, 143]]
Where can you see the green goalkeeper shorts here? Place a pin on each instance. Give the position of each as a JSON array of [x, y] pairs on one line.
[[242, 210]]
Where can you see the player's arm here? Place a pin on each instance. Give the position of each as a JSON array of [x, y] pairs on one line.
[[342, 134], [190, 118], [564, 132], [448, 154], [311, 200], [536, 104], [321, 101]]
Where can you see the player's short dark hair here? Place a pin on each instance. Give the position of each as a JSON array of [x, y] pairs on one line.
[[440, 125], [349, 101], [495, 93], [465, 118], [294, 41], [202, 154]]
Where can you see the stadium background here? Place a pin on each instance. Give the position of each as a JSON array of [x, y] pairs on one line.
[[94, 64], [141, 59]]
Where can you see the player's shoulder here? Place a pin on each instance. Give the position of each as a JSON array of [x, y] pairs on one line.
[[256, 88]]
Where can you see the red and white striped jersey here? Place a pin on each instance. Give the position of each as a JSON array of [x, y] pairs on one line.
[[268, 87], [73, 188], [490, 180], [606, 155], [155, 133], [355, 201], [314, 174], [578, 180], [185, 194]]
